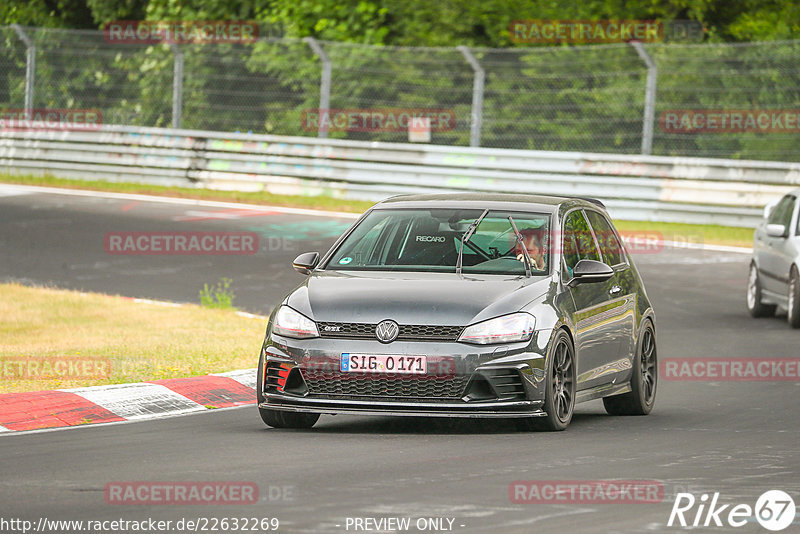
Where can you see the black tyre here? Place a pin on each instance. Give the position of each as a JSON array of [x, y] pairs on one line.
[[793, 308], [644, 380], [280, 419], [559, 398], [754, 305]]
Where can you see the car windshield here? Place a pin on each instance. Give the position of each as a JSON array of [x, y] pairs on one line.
[[429, 240]]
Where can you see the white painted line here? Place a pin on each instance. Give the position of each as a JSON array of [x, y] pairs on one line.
[[250, 315], [158, 303], [701, 246], [246, 377], [114, 423], [175, 200], [11, 191], [138, 400]]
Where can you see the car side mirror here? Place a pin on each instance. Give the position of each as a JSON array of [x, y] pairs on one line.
[[588, 271], [305, 262], [776, 230]]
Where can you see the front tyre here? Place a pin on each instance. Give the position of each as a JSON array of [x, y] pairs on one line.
[[644, 380], [559, 399], [793, 314], [754, 305], [280, 419]]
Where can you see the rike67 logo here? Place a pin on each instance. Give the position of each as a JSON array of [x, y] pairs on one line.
[[774, 510]]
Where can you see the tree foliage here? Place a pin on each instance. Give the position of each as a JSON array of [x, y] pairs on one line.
[[417, 22]]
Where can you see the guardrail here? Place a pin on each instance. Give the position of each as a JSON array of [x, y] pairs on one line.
[[657, 188]]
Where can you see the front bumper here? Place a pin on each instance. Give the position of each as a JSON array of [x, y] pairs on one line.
[[471, 364], [496, 409]]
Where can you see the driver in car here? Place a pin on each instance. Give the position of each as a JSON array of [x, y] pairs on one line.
[[533, 242]]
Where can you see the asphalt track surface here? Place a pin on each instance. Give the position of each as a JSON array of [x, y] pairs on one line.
[[736, 438]]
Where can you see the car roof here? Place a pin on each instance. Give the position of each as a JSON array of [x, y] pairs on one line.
[[505, 201]]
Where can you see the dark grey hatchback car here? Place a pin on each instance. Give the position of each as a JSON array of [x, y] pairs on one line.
[[464, 305]]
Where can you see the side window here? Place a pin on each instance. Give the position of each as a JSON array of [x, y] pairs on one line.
[[609, 244], [782, 213], [366, 248], [797, 230], [578, 241]]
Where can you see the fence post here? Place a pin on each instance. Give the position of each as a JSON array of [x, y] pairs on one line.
[[477, 96], [649, 98], [324, 84], [30, 68], [177, 86]]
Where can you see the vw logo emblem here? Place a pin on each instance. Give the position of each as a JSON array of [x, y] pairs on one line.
[[387, 331]]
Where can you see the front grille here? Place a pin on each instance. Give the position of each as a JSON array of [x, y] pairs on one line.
[[384, 386], [408, 332]]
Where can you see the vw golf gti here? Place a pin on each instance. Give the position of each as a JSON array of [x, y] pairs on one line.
[[464, 305]]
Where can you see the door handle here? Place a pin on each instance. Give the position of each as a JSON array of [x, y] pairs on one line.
[[614, 290]]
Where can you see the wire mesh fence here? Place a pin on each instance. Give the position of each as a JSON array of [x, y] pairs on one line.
[[576, 98]]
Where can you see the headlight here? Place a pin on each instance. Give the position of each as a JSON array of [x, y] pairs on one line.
[[290, 323], [506, 329]]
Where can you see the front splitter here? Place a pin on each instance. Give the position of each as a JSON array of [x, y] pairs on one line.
[[507, 409]]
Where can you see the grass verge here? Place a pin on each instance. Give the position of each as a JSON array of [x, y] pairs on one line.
[[693, 233], [125, 340]]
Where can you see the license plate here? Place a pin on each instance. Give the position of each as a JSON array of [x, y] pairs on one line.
[[383, 363]]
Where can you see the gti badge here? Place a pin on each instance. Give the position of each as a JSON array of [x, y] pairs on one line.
[[387, 331]]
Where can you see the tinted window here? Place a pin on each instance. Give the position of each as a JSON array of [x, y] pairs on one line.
[[578, 241], [797, 230], [609, 244], [430, 240], [782, 213]]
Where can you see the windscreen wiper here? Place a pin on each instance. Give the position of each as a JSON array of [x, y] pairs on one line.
[[464, 238], [525, 257]]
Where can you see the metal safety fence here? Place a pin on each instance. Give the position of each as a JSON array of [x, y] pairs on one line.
[[626, 98], [658, 188]]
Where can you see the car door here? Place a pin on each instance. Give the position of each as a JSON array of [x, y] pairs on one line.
[[773, 256], [785, 250], [596, 339], [622, 290]]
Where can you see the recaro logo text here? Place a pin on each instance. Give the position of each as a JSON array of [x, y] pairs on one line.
[[431, 238]]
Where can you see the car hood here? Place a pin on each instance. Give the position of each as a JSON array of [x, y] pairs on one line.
[[417, 298]]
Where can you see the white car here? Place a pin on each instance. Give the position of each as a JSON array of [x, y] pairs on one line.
[[775, 269]]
